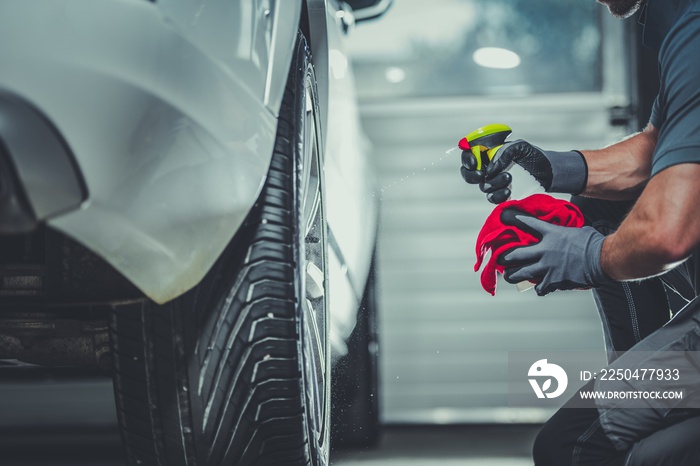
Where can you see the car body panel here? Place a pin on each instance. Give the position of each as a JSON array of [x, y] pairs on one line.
[[349, 199], [172, 126], [173, 139], [350, 205]]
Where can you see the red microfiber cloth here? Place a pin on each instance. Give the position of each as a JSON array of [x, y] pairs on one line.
[[500, 238]]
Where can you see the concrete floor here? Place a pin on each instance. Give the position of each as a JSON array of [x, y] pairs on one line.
[[405, 446], [485, 445], [52, 418]]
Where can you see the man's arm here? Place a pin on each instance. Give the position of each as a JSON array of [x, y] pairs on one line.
[[620, 171], [662, 229], [617, 172]]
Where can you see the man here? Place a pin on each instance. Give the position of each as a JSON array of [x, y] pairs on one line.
[[655, 241]]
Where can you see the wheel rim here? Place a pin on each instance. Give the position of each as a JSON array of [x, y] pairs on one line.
[[314, 301]]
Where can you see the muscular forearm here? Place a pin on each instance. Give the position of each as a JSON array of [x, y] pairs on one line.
[[662, 229], [629, 255], [621, 171]]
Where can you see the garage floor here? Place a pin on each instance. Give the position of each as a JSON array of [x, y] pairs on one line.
[[489, 445], [414, 446], [56, 418]]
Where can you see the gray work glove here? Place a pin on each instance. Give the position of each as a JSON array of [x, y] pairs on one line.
[[565, 258], [557, 172]]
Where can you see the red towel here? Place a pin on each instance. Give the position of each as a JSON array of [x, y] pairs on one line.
[[500, 238]]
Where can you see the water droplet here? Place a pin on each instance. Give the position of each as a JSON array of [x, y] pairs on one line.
[[264, 221]]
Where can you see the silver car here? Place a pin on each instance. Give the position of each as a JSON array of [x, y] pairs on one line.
[[185, 201]]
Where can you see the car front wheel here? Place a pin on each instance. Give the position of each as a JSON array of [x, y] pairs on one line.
[[236, 371]]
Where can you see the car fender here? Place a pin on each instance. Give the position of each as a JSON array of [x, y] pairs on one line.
[[172, 137]]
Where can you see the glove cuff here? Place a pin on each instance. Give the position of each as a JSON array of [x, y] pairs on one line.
[[569, 172], [594, 250]]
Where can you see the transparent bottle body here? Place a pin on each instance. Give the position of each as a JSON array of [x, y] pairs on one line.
[[523, 185]]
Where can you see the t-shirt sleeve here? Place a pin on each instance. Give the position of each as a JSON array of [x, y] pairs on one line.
[[677, 108]]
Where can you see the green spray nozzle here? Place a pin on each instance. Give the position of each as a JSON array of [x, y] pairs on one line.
[[485, 140]]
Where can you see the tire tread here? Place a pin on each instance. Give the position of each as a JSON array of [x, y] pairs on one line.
[[203, 378]]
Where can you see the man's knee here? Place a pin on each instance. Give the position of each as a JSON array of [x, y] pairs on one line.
[[555, 441], [573, 436], [677, 444], [545, 446]]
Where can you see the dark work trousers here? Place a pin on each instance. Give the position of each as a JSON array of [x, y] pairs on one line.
[[634, 315]]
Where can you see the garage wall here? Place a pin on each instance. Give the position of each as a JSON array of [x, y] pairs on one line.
[[444, 341]]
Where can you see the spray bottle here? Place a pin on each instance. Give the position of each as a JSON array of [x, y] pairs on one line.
[[484, 142]]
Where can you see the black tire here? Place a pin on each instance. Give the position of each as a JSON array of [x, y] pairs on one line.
[[355, 379], [236, 371]]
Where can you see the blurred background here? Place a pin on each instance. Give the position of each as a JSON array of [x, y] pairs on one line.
[[561, 74], [558, 73]]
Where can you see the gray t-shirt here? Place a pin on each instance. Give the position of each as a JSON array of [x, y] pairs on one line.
[[673, 28]]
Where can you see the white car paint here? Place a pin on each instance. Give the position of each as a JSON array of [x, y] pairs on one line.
[[172, 139], [170, 109], [350, 204]]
